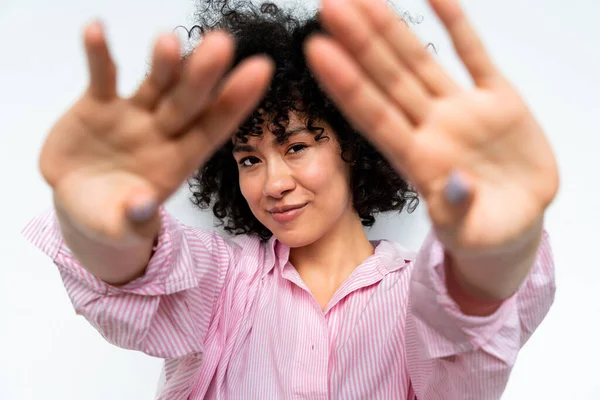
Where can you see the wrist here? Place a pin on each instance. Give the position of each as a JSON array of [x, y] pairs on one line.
[[114, 262], [496, 274], [470, 300], [130, 239]]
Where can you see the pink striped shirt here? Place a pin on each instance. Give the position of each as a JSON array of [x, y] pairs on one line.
[[233, 320]]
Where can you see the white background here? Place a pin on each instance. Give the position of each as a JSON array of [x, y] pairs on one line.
[[548, 48]]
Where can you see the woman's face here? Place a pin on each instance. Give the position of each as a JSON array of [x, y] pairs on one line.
[[301, 173]]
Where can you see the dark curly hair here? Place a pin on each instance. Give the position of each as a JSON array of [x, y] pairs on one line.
[[269, 29]]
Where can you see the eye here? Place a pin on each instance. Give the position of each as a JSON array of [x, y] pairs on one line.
[[297, 148], [246, 162]]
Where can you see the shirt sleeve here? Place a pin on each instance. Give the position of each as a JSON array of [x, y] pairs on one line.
[[164, 313], [451, 355]]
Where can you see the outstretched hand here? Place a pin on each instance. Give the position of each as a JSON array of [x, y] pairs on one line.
[[475, 154], [112, 161]]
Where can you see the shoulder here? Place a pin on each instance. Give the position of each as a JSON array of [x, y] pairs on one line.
[[249, 252], [211, 242], [394, 252]]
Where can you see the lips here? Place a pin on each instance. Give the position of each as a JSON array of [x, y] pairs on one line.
[[286, 208], [288, 213]]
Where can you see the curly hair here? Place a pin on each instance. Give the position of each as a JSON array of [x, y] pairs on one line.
[[268, 29]]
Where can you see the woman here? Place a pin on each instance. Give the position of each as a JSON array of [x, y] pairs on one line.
[[301, 304]]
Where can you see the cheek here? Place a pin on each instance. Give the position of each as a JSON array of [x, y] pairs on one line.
[[324, 174], [250, 190], [317, 173]]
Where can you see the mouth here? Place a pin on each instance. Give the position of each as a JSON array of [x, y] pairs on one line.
[[287, 214]]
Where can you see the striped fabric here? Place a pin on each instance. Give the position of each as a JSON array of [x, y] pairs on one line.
[[233, 320]]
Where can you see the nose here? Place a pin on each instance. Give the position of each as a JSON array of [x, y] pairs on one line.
[[279, 180]]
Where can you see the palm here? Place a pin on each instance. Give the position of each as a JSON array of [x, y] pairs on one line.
[[112, 160], [396, 94], [491, 137]]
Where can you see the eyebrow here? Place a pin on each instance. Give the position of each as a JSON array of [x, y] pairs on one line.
[[246, 148]]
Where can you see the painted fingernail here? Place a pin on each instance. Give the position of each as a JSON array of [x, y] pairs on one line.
[[456, 190], [143, 212]]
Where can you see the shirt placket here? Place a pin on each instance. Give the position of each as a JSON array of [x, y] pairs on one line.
[[311, 380]]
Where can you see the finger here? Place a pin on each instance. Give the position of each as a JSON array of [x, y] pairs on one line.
[[363, 103], [407, 46], [377, 59], [467, 43], [163, 73], [241, 92], [202, 73], [103, 75]]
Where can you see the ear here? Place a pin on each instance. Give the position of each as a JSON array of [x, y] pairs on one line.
[[349, 157]]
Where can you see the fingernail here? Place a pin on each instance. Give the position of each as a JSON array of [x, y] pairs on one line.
[[143, 212], [98, 24], [456, 190]]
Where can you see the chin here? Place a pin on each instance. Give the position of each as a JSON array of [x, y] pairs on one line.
[[295, 238]]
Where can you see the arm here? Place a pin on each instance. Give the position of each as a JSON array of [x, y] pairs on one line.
[[452, 355], [111, 159], [115, 263], [478, 281], [166, 312], [479, 284]]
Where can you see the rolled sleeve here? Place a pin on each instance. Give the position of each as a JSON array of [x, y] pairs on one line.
[[454, 355], [159, 278], [164, 313]]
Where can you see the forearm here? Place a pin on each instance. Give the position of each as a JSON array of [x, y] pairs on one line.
[[453, 353], [498, 274], [114, 263]]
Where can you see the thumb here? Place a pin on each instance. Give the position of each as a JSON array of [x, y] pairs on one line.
[[448, 207], [141, 210]]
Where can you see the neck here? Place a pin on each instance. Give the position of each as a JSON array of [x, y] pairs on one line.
[[332, 258]]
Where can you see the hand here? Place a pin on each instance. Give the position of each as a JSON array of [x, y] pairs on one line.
[[440, 136], [111, 161]]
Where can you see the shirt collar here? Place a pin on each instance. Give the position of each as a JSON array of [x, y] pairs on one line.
[[388, 256]]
